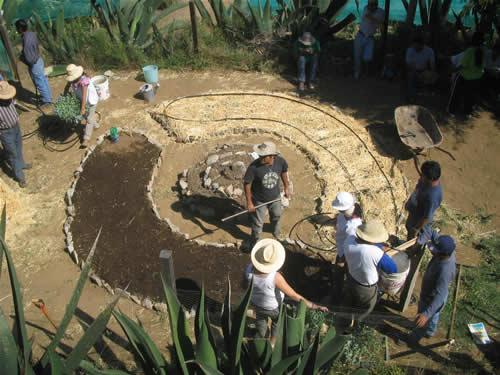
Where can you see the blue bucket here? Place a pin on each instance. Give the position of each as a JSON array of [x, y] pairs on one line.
[[150, 73]]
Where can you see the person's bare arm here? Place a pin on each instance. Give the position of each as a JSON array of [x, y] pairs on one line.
[[286, 184], [66, 88], [248, 195], [282, 285]]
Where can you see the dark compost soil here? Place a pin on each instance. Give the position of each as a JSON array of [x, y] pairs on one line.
[[112, 193]]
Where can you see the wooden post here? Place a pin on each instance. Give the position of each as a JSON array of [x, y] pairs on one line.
[[387, 9], [407, 291], [167, 268], [8, 47], [194, 27], [451, 328]]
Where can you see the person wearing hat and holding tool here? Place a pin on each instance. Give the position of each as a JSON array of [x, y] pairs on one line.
[[424, 201], [435, 284], [364, 43], [10, 133], [306, 50], [30, 55], [86, 92], [269, 285], [347, 221], [262, 184], [364, 258]]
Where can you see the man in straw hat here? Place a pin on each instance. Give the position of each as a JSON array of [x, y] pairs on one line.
[[435, 283], [364, 43], [262, 184], [30, 55], [306, 51], [269, 286], [10, 133], [347, 221], [364, 258]]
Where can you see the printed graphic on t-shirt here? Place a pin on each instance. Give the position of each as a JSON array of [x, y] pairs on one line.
[[270, 180]]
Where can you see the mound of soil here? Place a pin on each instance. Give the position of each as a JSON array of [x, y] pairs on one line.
[[111, 193]]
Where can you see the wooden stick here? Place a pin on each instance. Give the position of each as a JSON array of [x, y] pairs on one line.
[[402, 247], [244, 212], [451, 328]]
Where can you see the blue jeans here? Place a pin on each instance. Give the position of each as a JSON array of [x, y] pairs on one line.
[[12, 142], [363, 51], [40, 80], [301, 66]]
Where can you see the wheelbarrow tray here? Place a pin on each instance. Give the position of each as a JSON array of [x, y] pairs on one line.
[[417, 128]]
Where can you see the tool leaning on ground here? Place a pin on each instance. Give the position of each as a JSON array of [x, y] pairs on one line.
[[284, 201]]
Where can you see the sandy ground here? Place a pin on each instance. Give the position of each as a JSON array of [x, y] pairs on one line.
[[470, 182]]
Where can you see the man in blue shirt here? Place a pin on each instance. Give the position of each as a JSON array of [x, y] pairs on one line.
[[364, 258], [30, 55], [424, 202], [439, 274]]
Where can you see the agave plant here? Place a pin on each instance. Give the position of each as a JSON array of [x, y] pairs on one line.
[[15, 349], [132, 21]]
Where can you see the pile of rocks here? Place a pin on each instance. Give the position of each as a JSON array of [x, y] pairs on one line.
[[220, 176]]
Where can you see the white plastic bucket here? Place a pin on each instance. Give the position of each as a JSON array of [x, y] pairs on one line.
[[148, 92], [392, 283], [101, 84]]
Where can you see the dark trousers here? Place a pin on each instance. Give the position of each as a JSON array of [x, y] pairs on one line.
[[261, 321], [12, 143], [464, 95]]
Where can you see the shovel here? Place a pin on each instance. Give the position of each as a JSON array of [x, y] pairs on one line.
[[284, 201]]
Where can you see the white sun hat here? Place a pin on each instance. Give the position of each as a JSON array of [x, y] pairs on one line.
[[268, 255], [73, 72], [372, 231], [265, 149], [343, 201]]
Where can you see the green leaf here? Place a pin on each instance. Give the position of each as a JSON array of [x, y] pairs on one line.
[[207, 370], [178, 328], [259, 351], [361, 371], [92, 334], [267, 18], [330, 349], [144, 347], [295, 330], [90, 369], [238, 329], [60, 27], [56, 364], [202, 9], [256, 16], [20, 322], [282, 367], [226, 318], [169, 10], [279, 345], [308, 359], [205, 346], [8, 349], [73, 302]]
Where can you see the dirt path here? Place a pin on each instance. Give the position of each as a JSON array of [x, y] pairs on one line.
[[47, 272]]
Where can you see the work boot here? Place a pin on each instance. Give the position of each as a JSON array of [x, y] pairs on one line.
[[22, 184]]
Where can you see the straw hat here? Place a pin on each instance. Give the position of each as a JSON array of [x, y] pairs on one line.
[[372, 231], [306, 39], [268, 255], [343, 201], [73, 72], [7, 91], [265, 149]]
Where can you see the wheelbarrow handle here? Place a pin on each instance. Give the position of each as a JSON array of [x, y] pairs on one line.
[[245, 211]]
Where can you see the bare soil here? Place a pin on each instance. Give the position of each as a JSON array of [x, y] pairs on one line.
[[470, 181]]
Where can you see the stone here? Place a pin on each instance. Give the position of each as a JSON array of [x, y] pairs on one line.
[[161, 307], [147, 304], [237, 192], [226, 155], [207, 182], [96, 279], [109, 74], [230, 190], [185, 173], [207, 171], [215, 185], [212, 159], [183, 184]]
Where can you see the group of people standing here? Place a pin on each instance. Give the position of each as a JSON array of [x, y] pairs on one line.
[[77, 82], [361, 250]]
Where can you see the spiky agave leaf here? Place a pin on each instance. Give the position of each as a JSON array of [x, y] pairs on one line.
[[205, 344], [8, 348], [3, 228]]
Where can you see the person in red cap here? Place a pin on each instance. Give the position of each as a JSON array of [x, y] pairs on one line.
[[435, 284]]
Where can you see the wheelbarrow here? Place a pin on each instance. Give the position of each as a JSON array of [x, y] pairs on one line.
[[417, 128]]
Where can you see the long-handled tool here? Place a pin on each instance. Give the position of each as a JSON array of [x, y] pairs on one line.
[[284, 201]]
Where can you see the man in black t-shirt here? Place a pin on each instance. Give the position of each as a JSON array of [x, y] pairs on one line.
[[262, 184]]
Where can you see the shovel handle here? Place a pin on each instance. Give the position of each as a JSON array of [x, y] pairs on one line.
[[245, 211]]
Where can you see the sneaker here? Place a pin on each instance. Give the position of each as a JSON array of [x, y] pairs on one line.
[[27, 166], [22, 184], [302, 86], [311, 86]]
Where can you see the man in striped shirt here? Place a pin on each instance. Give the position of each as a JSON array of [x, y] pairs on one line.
[[10, 133]]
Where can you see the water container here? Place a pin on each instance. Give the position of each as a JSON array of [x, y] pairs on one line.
[[150, 73], [392, 283], [114, 134], [101, 84], [148, 92]]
